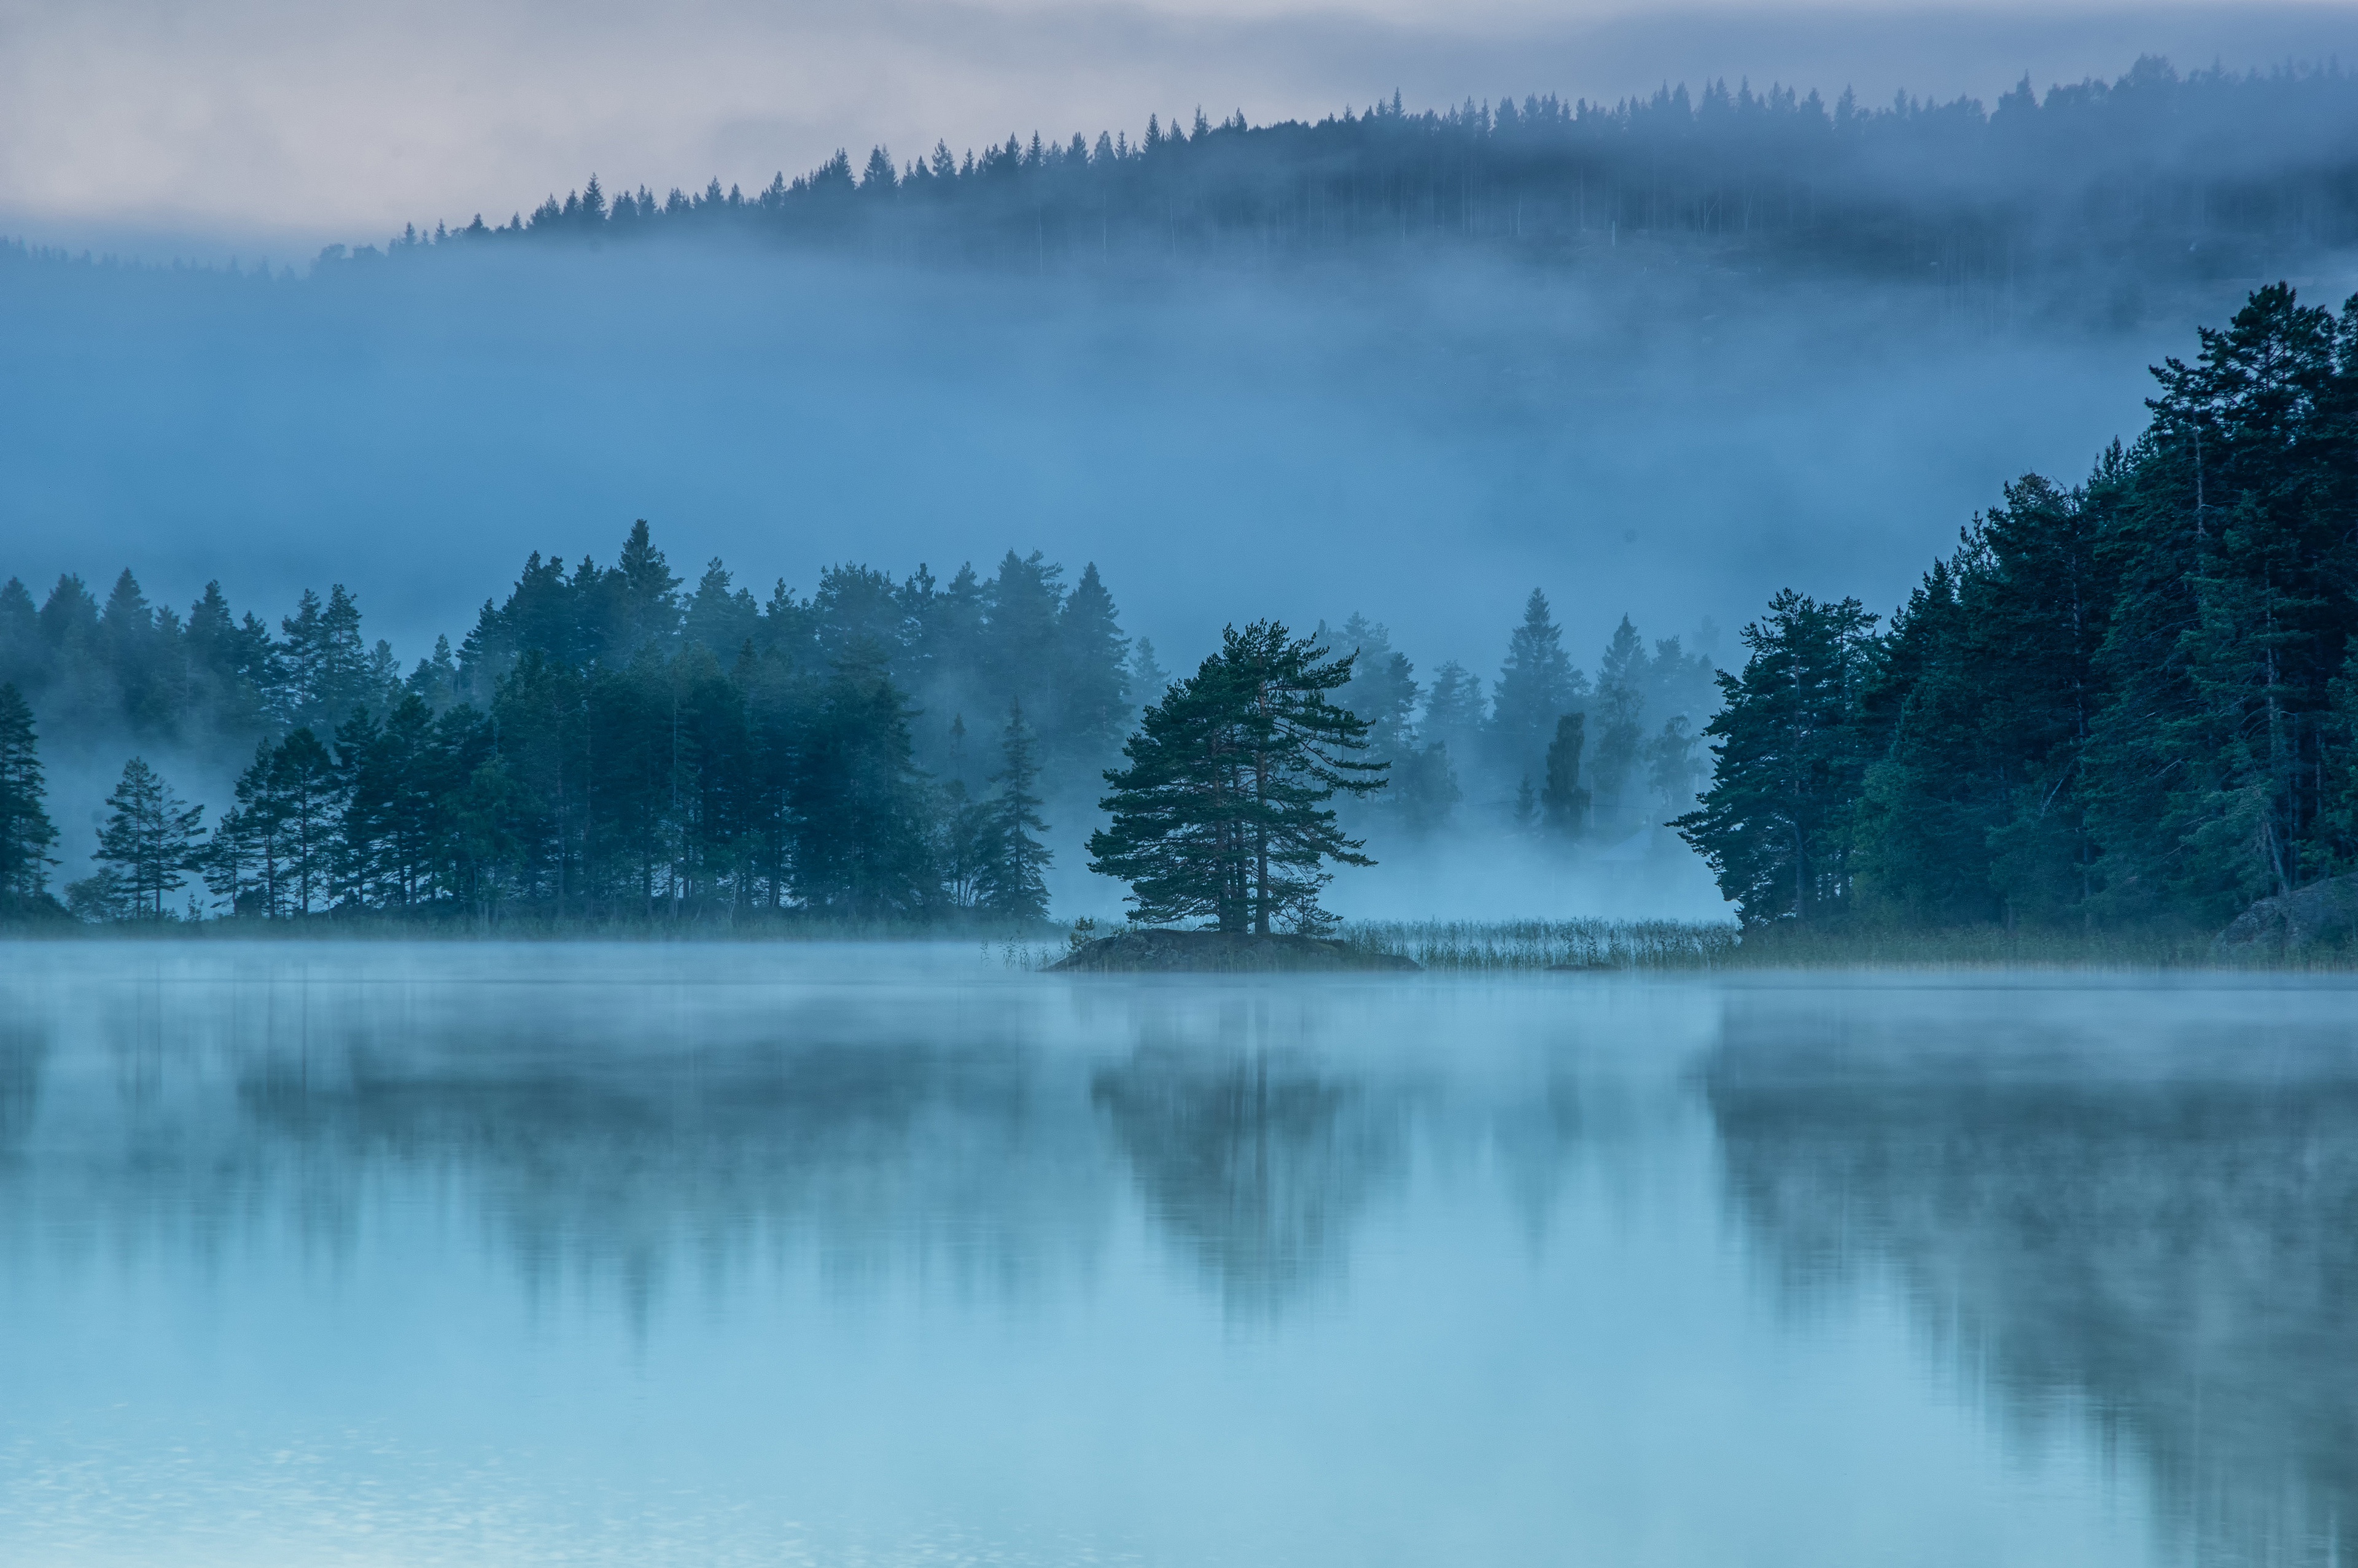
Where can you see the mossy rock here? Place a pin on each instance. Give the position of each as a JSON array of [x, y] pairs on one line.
[[1151, 951], [2322, 917]]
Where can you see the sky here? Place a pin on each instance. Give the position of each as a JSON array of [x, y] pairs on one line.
[[212, 128]]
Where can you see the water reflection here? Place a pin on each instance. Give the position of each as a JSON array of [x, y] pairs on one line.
[[2145, 1216], [1435, 1264], [1260, 1171]]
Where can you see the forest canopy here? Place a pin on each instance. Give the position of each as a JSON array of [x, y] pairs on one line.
[[2204, 175], [2123, 701], [610, 746]]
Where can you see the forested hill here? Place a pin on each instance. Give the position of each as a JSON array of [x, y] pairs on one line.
[[2205, 175], [2131, 699]]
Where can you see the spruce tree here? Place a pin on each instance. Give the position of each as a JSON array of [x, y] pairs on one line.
[[1093, 683], [1618, 705], [26, 831], [1011, 884], [1536, 684]]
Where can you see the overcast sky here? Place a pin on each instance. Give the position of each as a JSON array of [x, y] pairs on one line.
[[211, 126]]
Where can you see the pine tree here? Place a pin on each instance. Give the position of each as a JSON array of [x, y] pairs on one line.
[[145, 849], [1221, 812], [1775, 825], [307, 793], [26, 831], [1011, 884], [2236, 537]]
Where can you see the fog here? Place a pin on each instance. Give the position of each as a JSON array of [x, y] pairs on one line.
[[1422, 446]]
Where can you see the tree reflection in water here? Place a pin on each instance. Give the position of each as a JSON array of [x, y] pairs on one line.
[[1259, 1170], [2158, 1229]]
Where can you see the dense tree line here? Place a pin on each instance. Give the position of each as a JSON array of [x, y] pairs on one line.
[[608, 745], [602, 746], [2215, 174], [2126, 700]]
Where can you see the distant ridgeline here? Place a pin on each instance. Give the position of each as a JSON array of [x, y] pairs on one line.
[[2130, 701], [604, 747], [2209, 174]]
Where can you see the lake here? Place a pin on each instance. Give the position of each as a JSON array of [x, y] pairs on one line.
[[410, 1253]]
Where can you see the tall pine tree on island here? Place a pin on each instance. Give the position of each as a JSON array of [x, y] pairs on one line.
[[1221, 814]]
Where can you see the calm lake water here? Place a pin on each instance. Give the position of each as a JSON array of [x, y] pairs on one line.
[[717, 1255]]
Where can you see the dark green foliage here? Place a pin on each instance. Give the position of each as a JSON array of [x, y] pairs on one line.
[[1221, 814], [860, 828], [603, 748], [146, 849], [26, 834], [1776, 823], [1009, 882], [2128, 701]]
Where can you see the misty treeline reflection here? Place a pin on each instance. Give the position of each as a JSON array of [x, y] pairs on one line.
[[2148, 1228], [2101, 1208], [607, 745], [2131, 699], [2208, 175], [604, 1140]]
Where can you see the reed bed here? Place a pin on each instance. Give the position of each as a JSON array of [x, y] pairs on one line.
[[1605, 946], [1486, 947]]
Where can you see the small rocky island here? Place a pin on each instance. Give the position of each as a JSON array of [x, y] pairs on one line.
[[1151, 950]]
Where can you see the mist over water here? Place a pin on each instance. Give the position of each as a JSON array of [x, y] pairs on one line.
[[695, 1253]]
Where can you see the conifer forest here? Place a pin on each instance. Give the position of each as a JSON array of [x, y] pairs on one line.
[[2124, 702]]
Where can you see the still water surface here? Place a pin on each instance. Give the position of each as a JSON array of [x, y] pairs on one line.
[[722, 1255]]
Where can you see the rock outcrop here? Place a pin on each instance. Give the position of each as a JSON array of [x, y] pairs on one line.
[[1153, 951], [2316, 918]]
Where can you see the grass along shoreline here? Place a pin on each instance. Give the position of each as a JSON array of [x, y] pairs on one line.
[[1441, 947], [1669, 946]]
